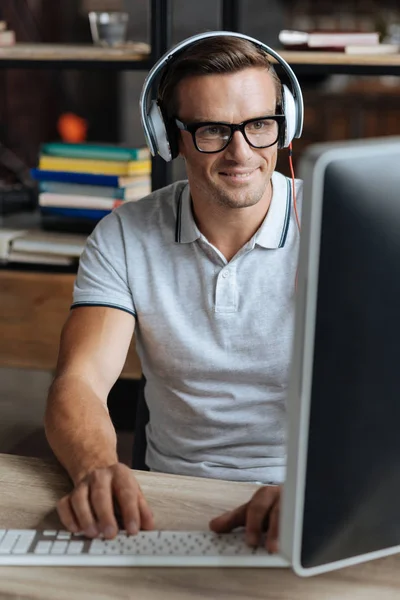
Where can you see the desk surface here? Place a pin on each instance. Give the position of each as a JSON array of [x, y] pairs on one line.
[[30, 487]]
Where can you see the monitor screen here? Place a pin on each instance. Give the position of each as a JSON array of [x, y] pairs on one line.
[[352, 478]]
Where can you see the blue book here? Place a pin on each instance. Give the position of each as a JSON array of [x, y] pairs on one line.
[[90, 178], [74, 213], [80, 189], [99, 151]]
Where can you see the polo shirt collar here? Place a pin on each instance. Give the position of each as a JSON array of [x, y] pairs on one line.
[[273, 230], [186, 230]]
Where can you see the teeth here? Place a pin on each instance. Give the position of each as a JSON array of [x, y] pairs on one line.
[[239, 175]]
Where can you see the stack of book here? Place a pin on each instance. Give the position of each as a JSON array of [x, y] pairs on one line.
[[38, 247], [87, 181]]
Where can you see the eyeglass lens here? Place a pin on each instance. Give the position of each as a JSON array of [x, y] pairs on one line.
[[260, 133]]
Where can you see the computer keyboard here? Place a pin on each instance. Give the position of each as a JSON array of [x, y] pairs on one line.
[[147, 548]]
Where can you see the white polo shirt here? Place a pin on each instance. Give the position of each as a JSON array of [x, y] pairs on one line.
[[214, 336]]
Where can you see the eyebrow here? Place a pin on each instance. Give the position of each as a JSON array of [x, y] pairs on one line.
[[268, 113]]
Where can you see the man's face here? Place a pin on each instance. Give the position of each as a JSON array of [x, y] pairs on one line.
[[240, 175]]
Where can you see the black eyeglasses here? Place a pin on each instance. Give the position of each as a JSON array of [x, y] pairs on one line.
[[212, 137]]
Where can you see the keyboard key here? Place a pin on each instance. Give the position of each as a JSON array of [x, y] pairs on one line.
[[8, 541], [63, 535], [24, 542], [43, 547], [75, 547], [59, 547], [97, 547]]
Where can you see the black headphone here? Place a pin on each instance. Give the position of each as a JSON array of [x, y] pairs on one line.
[[156, 129]]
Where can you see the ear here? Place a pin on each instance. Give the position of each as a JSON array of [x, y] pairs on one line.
[[174, 137], [181, 143]]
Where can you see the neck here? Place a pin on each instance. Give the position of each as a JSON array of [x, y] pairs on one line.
[[226, 228]]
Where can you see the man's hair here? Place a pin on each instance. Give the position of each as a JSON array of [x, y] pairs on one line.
[[224, 54]]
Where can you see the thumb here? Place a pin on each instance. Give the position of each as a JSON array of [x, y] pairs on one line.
[[229, 520]]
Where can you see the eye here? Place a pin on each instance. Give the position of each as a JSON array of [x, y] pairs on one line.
[[258, 125], [213, 130]]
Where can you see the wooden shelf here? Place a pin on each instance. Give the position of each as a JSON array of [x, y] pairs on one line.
[[139, 51], [317, 63], [56, 52], [133, 55], [34, 307], [340, 58]]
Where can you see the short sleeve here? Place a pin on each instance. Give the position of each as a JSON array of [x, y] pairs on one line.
[[102, 273]]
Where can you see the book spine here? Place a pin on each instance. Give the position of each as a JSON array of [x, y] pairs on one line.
[[136, 192], [101, 167], [84, 178], [333, 39], [59, 187], [94, 152], [73, 201], [77, 213]]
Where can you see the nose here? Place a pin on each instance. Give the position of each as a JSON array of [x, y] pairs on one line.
[[238, 149]]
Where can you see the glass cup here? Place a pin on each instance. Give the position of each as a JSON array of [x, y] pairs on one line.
[[108, 28]]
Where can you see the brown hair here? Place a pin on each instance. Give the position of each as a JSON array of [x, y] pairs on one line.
[[224, 54]]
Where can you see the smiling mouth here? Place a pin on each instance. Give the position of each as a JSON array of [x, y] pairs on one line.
[[238, 176]]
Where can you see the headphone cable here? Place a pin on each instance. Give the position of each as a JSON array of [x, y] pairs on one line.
[[294, 204], [293, 186]]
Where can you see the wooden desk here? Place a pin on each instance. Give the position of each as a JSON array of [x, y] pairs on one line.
[[30, 488]]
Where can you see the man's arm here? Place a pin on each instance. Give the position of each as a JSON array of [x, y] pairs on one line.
[[93, 349]]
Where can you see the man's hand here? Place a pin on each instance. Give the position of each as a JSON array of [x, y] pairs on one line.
[[90, 506], [260, 514]]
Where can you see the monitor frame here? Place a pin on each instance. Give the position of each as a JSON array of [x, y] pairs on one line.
[[313, 166]]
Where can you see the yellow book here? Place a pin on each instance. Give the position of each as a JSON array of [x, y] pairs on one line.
[[103, 167]]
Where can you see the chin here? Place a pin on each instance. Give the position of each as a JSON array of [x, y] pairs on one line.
[[240, 198]]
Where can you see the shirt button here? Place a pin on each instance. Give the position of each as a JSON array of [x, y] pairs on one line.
[[225, 274]]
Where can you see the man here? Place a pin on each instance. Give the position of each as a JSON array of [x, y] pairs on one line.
[[204, 272]]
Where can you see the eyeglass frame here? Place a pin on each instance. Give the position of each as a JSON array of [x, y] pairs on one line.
[[194, 126]]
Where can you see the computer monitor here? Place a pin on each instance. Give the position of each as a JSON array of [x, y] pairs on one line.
[[343, 475]]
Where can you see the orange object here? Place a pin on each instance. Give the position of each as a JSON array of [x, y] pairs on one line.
[[72, 128]]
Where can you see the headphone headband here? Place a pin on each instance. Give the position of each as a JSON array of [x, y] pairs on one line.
[[151, 136]]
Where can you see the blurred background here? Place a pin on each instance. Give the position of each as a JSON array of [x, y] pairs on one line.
[[31, 101]]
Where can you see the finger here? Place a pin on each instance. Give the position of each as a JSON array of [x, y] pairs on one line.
[[126, 491], [271, 542], [257, 512], [146, 515], [79, 501], [101, 500], [66, 515], [229, 520]]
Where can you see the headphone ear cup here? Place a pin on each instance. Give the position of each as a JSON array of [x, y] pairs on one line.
[[159, 131], [289, 109], [172, 134]]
